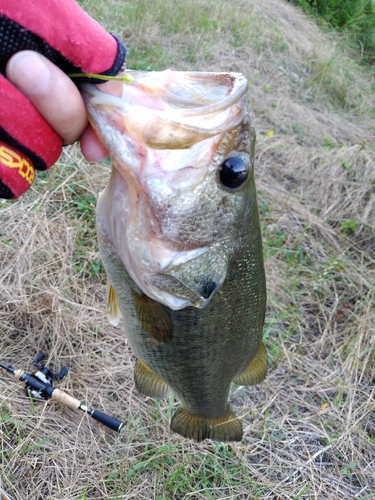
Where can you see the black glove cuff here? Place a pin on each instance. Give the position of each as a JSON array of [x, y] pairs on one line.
[[14, 38]]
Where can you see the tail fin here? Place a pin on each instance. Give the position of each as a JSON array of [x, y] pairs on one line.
[[227, 428]]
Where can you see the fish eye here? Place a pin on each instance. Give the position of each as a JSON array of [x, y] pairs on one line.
[[234, 170]]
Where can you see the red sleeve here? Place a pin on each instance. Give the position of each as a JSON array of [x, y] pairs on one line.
[[66, 28], [72, 40]]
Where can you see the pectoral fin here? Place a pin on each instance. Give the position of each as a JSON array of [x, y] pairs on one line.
[[226, 428], [155, 318], [113, 308], [148, 383], [256, 369]]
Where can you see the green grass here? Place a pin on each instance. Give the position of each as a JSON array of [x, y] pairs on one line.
[[355, 17]]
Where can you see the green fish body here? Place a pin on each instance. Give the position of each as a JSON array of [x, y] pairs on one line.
[[179, 235]]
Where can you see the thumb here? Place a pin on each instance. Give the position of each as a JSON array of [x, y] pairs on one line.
[[51, 91]]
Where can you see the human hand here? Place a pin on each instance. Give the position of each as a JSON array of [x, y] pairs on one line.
[[40, 107], [57, 99]]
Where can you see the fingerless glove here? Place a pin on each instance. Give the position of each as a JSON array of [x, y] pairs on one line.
[[73, 41]]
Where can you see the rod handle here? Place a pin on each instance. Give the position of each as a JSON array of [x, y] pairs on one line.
[[64, 398], [106, 420]]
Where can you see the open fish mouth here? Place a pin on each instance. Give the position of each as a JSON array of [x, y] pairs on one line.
[[166, 211], [162, 107]]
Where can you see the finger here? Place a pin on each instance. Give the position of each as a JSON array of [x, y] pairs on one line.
[[92, 148], [53, 93]]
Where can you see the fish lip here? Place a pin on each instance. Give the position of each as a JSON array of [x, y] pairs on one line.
[[240, 86], [238, 89], [174, 126]]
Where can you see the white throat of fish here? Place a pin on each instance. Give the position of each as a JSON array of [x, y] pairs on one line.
[[164, 271]]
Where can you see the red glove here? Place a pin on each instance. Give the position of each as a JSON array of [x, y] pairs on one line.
[[73, 41]]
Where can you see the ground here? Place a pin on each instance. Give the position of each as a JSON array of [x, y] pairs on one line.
[[309, 428]]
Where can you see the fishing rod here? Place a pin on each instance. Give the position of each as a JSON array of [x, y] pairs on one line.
[[40, 385]]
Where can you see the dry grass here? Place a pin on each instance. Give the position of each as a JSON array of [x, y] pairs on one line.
[[310, 427]]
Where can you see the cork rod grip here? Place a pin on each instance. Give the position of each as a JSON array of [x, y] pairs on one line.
[[67, 400]]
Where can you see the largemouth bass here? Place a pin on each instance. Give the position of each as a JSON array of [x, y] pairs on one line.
[[180, 240]]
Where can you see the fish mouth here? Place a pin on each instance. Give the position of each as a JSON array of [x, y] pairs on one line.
[[164, 109], [164, 133], [192, 283]]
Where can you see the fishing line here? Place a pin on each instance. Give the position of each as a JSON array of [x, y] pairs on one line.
[[125, 78]]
